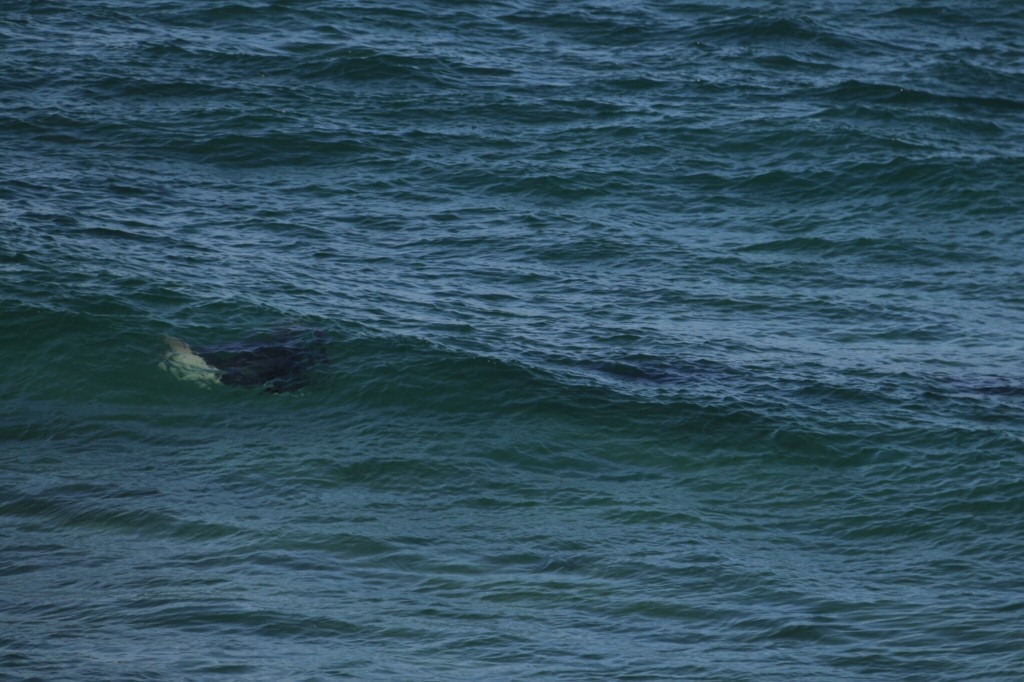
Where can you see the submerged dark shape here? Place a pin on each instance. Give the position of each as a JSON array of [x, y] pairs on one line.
[[279, 362]]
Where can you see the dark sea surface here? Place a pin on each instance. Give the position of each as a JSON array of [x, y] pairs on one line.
[[664, 341]]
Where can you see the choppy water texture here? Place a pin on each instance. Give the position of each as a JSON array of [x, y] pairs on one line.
[[674, 341]]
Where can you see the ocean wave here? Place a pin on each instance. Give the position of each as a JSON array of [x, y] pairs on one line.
[[649, 328]]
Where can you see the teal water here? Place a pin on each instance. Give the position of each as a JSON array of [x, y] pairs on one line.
[[666, 341]]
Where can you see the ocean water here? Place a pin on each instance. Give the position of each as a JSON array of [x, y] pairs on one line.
[[664, 340]]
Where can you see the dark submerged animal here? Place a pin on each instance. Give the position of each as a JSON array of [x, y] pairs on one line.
[[281, 362]]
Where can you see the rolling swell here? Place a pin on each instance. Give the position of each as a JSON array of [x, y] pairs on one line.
[[705, 404], [665, 341]]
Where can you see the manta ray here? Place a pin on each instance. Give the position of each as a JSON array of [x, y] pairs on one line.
[[277, 363]]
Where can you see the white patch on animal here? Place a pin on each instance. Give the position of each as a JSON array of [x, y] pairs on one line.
[[184, 364]]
